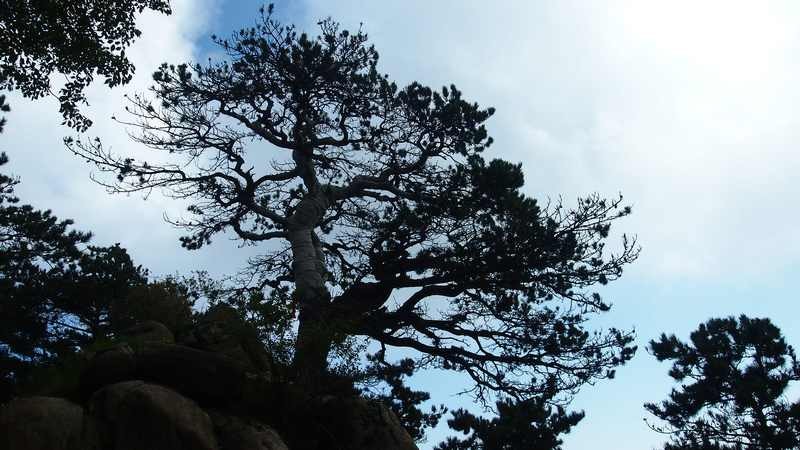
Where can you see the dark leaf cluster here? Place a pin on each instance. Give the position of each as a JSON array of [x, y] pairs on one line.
[[399, 397], [525, 425], [76, 39]]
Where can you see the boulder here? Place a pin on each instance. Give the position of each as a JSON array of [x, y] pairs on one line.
[[44, 423], [111, 365], [136, 415], [221, 330], [238, 433], [204, 376], [148, 332]]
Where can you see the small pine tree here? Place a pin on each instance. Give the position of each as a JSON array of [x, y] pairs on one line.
[[734, 375]]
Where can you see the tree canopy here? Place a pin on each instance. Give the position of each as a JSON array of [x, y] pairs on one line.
[[734, 375], [376, 211], [76, 39]]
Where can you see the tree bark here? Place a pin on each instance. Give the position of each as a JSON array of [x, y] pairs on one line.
[[314, 334]]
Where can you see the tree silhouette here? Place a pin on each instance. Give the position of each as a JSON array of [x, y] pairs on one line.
[[734, 374], [55, 291], [400, 398], [77, 39], [3, 108], [526, 425], [377, 213]]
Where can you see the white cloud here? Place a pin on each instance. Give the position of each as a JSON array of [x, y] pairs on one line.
[[688, 110]]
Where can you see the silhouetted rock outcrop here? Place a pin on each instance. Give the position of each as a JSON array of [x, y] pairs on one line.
[[215, 389], [205, 376]]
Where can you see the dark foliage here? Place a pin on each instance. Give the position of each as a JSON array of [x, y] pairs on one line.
[[733, 375], [385, 382], [3, 108], [93, 284], [526, 425], [55, 291], [368, 194], [77, 39]]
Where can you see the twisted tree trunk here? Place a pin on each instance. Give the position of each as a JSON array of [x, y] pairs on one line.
[[314, 335]]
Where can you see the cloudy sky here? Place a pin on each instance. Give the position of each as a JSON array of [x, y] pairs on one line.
[[689, 109]]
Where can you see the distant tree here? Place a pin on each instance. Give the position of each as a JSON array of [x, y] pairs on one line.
[[76, 39], [526, 425], [29, 239], [94, 282], [734, 375], [382, 217], [55, 291]]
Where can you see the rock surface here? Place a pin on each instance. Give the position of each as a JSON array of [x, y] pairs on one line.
[[148, 332], [214, 390], [204, 376], [43, 423], [237, 433], [136, 415], [221, 330]]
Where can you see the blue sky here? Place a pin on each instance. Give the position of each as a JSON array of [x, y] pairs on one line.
[[687, 108]]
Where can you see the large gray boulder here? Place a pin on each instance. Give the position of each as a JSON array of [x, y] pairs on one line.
[[44, 423], [136, 415]]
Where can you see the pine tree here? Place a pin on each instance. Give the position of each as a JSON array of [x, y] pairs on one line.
[[378, 214], [733, 375]]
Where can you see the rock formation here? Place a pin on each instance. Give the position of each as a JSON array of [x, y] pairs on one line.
[[215, 389]]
